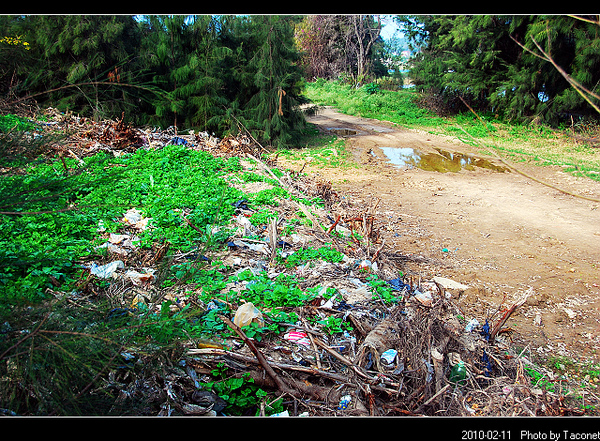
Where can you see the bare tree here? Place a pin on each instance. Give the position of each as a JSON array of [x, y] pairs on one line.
[[363, 31], [334, 45]]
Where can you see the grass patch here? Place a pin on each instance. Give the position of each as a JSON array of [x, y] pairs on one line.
[[531, 143], [319, 150]]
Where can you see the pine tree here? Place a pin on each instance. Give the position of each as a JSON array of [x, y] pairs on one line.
[[208, 102], [15, 54], [491, 61], [464, 57], [165, 48], [76, 54], [272, 111]]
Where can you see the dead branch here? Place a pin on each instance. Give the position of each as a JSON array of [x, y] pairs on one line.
[[284, 388]]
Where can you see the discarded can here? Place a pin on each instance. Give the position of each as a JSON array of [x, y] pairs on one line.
[[388, 357]]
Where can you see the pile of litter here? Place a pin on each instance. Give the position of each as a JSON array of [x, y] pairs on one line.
[[86, 137], [407, 349]]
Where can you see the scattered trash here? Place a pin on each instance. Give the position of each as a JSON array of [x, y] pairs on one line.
[[473, 323], [344, 402], [449, 284], [259, 247], [458, 374], [398, 285], [177, 141], [106, 271], [343, 231], [246, 314], [425, 298], [403, 355], [134, 218], [298, 337], [140, 278], [388, 357]]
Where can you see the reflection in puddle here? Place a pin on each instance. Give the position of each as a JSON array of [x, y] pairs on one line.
[[443, 162]]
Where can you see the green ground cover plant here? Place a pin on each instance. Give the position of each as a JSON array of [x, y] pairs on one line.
[[50, 227], [381, 290], [12, 122], [54, 219], [304, 255], [319, 150]]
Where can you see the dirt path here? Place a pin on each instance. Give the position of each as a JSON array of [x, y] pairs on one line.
[[499, 232]]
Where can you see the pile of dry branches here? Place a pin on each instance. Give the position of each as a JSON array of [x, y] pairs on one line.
[[346, 375]]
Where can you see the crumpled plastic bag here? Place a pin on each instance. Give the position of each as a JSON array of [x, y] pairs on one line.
[[140, 278], [258, 247], [119, 243], [246, 314], [134, 218], [106, 271]]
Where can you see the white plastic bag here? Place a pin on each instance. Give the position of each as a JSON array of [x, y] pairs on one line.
[[246, 314], [106, 271]]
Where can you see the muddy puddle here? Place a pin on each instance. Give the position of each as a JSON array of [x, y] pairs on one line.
[[341, 131], [443, 161]]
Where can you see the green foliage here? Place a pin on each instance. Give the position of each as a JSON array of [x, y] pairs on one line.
[[47, 370], [70, 60], [334, 325], [263, 215], [282, 291], [320, 150], [35, 248], [476, 58], [201, 72], [371, 88], [305, 255], [273, 82], [240, 394], [400, 107], [193, 273], [380, 289], [13, 122], [267, 196]]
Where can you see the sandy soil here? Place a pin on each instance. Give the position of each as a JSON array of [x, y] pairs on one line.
[[501, 233]]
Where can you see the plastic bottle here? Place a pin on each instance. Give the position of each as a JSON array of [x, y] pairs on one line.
[[458, 374]]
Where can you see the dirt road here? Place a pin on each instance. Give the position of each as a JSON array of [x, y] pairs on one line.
[[486, 226]]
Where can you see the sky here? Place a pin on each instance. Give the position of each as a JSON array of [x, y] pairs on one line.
[[389, 27]]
